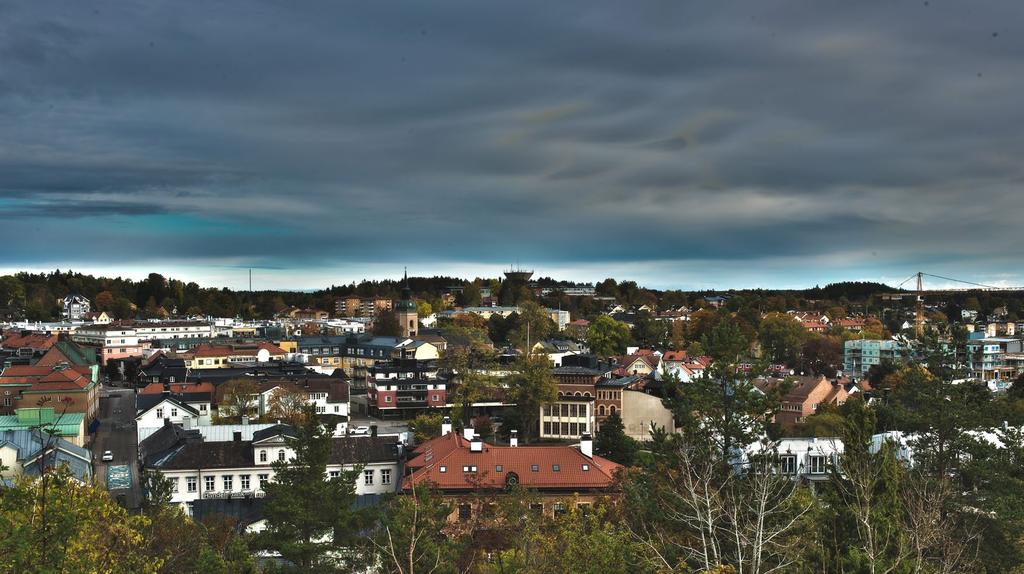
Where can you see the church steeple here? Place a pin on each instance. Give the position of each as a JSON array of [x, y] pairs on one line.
[[406, 310]]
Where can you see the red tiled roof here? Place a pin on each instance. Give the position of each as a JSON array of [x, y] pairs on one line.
[[674, 356], [44, 378], [32, 340], [453, 452]]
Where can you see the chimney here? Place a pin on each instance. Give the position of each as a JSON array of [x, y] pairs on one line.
[[373, 431], [587, 445], [514, 439], [468, 433], [237, 436], [245, 420], [167, 389], [476, 444], [446, 426]]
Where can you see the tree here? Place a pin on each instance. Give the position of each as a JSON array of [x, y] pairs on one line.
[[782, 337], [530, 386], [239, 398], [607, 337], [105, 301], [286, 405], [722, 407], [532, 323], [55, 524], [411, 536], [385, 324], [426, 426], [823, 355], [12, 292], [468, 368], [309, 516], [612, 442], [649, 332], [424, 309], [156, 488], [123, 308]]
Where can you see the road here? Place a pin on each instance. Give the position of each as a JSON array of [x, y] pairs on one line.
[[117, 434]]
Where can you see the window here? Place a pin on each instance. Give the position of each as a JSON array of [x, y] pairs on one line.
[[556, 468], [160, 413], [469, 468], [210, 485], [228, 482], [174, 484], [443, 469], [498, 468], [264, 478], [534, 468], [586, 467], [368, 477], [385, 476], [817, 464], [787, 464], [334, 473], [387, 399], [559, 509], [263, 456], [7, 401], [280, 454], [202, 408], [464, 512], [174, 412], [243, 481], [190, 484], [583, 507], [537, 508], [436, 398], [547, 428]]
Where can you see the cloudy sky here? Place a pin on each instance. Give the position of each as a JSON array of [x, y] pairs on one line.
[[680, 144]]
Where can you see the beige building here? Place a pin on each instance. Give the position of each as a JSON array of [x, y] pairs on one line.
[[640, 411]]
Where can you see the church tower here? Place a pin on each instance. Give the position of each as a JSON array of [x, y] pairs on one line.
[[406, 311]]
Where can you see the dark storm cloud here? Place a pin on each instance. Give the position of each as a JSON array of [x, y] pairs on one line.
[[827, 136]]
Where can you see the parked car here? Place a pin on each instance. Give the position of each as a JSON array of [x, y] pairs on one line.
[[107, 456], [361, 430]]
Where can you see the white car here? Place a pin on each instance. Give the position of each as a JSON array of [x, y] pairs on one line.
[[361, 430], [107, 456]]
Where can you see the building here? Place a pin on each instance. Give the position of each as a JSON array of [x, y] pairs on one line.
[[573, 414], [240, 469], [810, 459], [804, 397], [361, 306], [225, 355], [406, 312], [461, 467], [112, 341], [400, 388], [995, 358], [330, 396], [64, 387], [74, 307], [859, 355], [28, 452], [67, 425]]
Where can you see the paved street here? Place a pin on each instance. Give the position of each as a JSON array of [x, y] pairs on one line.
[[117, 434]]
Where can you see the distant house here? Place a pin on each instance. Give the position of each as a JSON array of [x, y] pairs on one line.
[[69, 426], [74, 307], [97, 317], [67, 387], [804, 397]]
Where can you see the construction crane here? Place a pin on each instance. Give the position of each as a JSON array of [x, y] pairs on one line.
[[919, 276]]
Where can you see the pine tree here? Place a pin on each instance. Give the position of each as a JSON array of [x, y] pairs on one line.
[[309, 516]]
